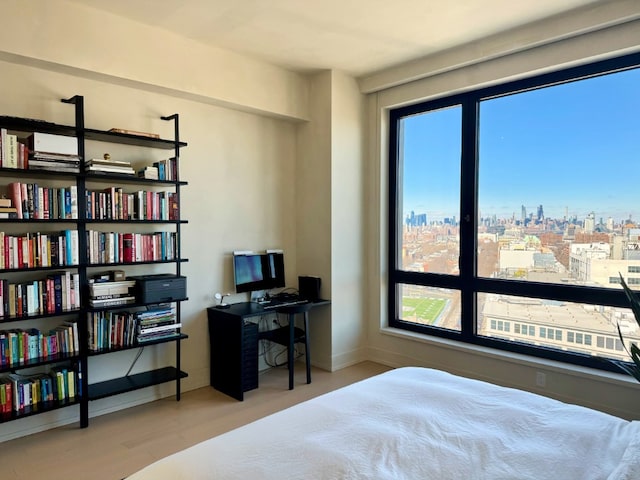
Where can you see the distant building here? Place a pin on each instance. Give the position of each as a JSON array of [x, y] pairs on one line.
[[590, 223]]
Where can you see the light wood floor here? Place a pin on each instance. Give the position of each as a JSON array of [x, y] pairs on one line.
[[118, 444]]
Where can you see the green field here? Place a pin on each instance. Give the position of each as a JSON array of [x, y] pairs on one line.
[[425, 310]]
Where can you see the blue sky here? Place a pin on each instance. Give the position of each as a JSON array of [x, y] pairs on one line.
[[572, 148]]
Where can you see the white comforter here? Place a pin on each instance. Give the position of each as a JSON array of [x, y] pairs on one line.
[[416, 423]]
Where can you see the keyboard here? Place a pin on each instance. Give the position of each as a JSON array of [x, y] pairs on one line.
[[275, 303]]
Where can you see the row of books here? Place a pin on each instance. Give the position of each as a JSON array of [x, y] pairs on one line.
[[13, 153], [117, 247], [36, 249], [163, 170], [57, 293], [34, 201], [109, 330], [19, 347], [114, 204], [22, 394]]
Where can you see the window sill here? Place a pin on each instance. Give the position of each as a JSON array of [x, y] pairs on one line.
[[515, 358]]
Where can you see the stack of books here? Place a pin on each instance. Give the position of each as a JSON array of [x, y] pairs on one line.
[[53, 152], [109, 294], [150, 172], [108, 166], [157, 323], [7, 210]]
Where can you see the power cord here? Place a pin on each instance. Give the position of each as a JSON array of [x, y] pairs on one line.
[[134, 361]]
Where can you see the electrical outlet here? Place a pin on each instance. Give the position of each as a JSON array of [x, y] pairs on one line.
[[541, 379]]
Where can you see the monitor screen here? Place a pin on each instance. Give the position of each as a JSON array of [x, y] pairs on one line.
[[253, 271], [247, 271]]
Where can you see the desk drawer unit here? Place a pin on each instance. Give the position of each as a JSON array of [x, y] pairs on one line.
[[250, 356]]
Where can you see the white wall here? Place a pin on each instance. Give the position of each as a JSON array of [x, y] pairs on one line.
[[348, 207], [330, 208], [613, 393]]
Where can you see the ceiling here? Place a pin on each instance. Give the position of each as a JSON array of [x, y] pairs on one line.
[[358, 37]]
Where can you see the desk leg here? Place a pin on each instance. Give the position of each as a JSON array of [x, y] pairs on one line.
[[307, 355], [292, 326]]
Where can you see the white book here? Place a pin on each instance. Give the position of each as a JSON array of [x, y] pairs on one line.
[[44, 250], [3, 140], [161, 328], [73, 189], [50, 143], [40, 202], [11, 151], [76, 286], [30, 298]]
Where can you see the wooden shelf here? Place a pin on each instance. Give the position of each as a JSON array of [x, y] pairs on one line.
[[40, 361], [180, 336], [40, 408], [130, 383], [128, 139]]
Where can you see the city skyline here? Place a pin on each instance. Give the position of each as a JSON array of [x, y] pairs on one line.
[[572, 148]]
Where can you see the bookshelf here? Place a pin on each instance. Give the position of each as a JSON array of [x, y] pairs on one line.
[[45, 311]]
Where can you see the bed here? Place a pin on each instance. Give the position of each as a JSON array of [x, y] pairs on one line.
[[417, 423]]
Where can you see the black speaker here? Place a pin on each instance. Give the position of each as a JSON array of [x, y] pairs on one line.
[[309, 288]]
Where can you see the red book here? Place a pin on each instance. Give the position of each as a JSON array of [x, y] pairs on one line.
[[149, 213], [7, 255], [20, 256], [128, 248]]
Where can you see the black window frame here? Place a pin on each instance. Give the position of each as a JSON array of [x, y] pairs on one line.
[[467, 282]]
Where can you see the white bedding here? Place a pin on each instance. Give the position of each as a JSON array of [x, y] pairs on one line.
[[417, 423]]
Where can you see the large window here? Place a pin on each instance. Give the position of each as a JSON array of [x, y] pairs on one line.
[[514, 211]]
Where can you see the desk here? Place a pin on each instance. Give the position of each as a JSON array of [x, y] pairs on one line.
[[233, 340]]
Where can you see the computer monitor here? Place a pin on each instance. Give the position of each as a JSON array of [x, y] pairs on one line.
[[247, 272], [258, 271], [274, 273]]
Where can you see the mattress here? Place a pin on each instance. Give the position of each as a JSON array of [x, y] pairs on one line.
[[417, 423]]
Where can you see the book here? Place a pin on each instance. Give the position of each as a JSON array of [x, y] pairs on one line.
[[3, 141], [148, 172], [54, 144], [112, 302], [108, 161], [159, 328], [134, 132], [11, 151], [109, 169], [157, 336]]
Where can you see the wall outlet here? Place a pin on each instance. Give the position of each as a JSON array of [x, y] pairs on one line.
[[541, 379]]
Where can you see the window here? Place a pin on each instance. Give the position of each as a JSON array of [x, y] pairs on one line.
[[517, 204]]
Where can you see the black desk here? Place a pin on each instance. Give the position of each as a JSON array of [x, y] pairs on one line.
[[233, 340]]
